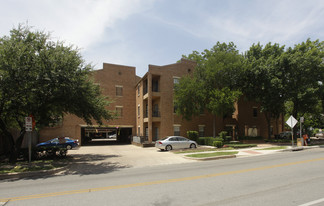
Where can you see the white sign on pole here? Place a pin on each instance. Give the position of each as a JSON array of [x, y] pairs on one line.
[[28, 124], [291, 121]]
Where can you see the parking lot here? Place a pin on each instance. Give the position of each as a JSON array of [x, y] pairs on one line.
[[109, 157]]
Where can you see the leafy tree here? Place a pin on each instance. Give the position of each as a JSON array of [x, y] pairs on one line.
[[303, 75], [45, 79], [213, 84], [262, 81]]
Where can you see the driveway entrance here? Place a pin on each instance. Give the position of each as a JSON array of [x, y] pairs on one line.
[[105, 135], [103, 158]]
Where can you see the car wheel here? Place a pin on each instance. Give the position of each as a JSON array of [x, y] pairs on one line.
[[68, 146], [168, 148], [192, 146]]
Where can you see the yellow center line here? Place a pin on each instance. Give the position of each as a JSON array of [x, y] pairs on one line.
[[155, 182]]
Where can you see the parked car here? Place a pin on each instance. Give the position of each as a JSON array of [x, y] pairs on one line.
[[113, 136], [319, 135], [62, 142], [175, 142]]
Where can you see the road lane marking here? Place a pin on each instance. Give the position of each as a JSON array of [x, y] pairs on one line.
[[157, 182], [313, 202]]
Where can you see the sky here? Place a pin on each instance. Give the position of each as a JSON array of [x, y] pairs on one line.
[[158, 32]]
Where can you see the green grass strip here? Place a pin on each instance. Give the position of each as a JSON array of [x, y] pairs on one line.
[[274, 148], [214, 154], [202, 150]]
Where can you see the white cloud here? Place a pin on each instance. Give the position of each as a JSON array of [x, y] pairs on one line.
[[81, 22]]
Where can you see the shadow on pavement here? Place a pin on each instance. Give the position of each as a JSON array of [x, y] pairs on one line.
[[87, 164], [76, 164]]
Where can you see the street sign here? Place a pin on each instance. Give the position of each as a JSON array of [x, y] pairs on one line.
[[28, 124], [291, 121], [302, 119]]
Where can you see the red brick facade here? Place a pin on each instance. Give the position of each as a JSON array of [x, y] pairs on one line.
[[146, 107]]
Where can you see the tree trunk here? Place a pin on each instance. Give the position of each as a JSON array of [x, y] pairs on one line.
[[214, 126], [14, 147]]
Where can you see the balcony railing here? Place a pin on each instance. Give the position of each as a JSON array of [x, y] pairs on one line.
[[156, 114]]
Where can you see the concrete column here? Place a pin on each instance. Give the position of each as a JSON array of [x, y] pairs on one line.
[[150, 107]]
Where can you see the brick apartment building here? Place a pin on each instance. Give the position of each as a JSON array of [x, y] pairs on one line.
[[145, 108]]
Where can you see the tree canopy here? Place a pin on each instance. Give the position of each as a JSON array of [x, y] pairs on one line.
[[213, 84], [45, 79]]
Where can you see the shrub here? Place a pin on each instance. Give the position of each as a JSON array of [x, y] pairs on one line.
[[209, 141], [222, 134], [218, 144], [193, 135], [201, 141], [250, 138], [219, 139], [228, 138]]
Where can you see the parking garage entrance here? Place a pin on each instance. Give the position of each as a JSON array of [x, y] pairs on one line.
[[105, 135]]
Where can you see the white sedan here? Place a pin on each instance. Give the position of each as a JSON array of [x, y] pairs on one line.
[[175, 142]]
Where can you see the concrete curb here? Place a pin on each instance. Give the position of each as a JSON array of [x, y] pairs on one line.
[[211, 158], [294, 149], [31, 174]]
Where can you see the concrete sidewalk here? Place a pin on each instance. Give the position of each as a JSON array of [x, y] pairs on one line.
[[104, 159]]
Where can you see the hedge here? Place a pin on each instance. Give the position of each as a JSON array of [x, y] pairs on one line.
[[218, 144], [250, 138], [193, 135]]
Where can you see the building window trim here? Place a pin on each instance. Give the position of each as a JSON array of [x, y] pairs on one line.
[[119, 90], [255, 112], [176, 129], [119, 111]]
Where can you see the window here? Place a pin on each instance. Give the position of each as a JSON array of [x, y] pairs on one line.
[[176, 80], [138, 90], [201, 130], [155, 133], [175, 107], [138, 110], [119, 111], [139, 131], [255, 112], [119, 91], [253, 131], [176, 130]]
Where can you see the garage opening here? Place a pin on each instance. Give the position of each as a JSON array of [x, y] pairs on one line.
[[105, 135]]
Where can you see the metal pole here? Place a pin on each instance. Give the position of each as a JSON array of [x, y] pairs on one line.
[[300, 134], [29, 146], [292, 133]]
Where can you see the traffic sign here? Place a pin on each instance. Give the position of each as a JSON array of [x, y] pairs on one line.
[[28, 124], [291, 121]]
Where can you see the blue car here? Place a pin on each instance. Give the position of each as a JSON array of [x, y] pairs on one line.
[[61, 142]]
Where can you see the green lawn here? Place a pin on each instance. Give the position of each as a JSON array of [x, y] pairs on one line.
[[202, 150], [33, 166], [214, 154], [274, 148]]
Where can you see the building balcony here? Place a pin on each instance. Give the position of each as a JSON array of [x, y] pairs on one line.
[[156, 116]]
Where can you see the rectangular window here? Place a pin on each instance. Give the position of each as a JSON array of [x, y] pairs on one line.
[[138, 90], [253, 131], [175, 107], [119, 111], [155, 133], [176, 80], [201, 130], [176, 130], [146, 133], [138, 110], [119, 91], [255, 112], [138, 131]]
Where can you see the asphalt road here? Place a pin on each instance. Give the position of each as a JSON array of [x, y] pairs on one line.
[[288, 178]]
